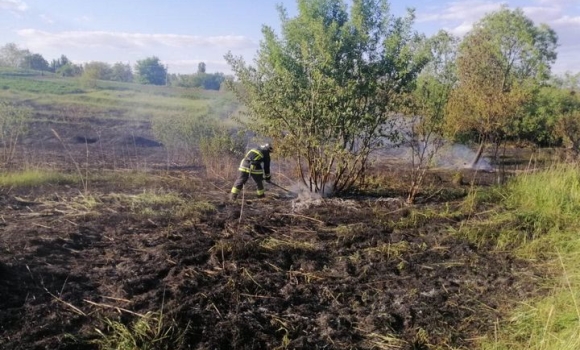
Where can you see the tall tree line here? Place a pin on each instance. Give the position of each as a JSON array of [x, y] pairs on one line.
[[149, 70]]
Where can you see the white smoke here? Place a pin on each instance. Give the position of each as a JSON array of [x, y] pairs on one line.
[[449, 156], [445, 154], [302, 192], [457, 156]]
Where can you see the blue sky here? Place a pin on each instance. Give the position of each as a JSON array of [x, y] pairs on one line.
[[183, 33]]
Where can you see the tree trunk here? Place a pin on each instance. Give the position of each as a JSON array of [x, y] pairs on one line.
[[478, 154]]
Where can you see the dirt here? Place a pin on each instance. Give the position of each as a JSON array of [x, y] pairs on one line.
[[357, 272]]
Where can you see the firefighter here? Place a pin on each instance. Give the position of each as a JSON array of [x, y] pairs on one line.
[[256, 164]]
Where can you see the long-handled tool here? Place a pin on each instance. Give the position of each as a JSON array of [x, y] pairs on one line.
[[285, 189]]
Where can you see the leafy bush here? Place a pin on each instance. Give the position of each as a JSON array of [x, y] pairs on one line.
[[198, 137], [568, 127], [181, 133], [221, 151]]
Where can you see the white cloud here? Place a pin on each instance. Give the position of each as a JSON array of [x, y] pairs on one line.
[[46, 19], [83, 19], [542, 14], [466, 11], [461, 29], [568, 21], [459, 16], [116, 40], [13, 5], [559, 3]]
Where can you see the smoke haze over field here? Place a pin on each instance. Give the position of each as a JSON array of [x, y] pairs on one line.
[[449, 156], [456, 156], [444, 153]]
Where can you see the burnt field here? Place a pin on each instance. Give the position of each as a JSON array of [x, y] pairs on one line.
[[141, 249]]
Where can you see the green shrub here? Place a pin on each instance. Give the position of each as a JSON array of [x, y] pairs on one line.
[[200, 138], [181, 133]]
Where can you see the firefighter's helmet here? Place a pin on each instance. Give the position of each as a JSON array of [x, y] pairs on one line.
[[266, 147]]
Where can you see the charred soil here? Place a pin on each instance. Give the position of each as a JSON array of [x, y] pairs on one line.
[[343, 273]]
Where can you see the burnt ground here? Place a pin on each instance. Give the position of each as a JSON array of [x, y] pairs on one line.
[[357, 272]]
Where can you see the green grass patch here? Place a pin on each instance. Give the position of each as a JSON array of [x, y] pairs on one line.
[[51, 95], [148, 204], [119, 105], [29, 178], [420, 216], [482, 198], [6, 72], [152, 331], [551, 321], [152, 204], [44, 85], [538, 220], [546, 200], [389, 250], [280, 244]]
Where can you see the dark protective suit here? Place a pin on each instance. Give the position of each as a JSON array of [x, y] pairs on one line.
[[256, 164]]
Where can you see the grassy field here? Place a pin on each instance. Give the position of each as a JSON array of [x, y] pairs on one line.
[[547, 207], [140, 256], [75, 98]]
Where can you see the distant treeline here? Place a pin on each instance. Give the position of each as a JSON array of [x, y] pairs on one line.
[[146, 71]]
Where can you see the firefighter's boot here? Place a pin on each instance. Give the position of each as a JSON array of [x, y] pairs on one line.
[[233, 196]]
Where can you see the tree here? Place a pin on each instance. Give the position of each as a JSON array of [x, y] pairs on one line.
[[538, 123], [122, 72], [326, 90], [199, 80], [501, 63], [208, 81], [424, 130], [97, 71], [70, 70], [568, 80], [151, 71], [36, 62], [561, 108], [201, 67], [57, 63], [12, 56], [568, 126]]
